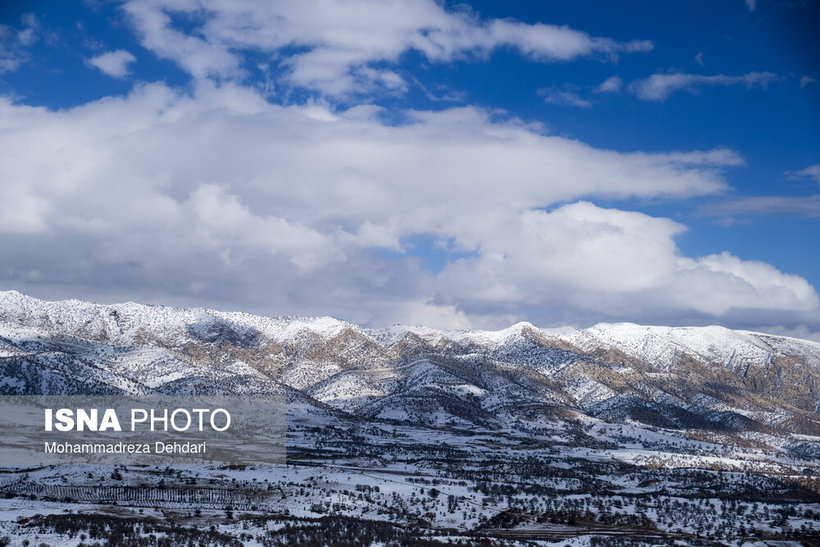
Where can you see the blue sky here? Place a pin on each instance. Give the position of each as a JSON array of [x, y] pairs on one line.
[[452, 164]]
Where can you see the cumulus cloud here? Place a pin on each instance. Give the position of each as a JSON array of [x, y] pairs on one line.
[[113, 63], [613, 84], [215, 196], [732, 283], [341, 48], [425, 313], [658, 87], [222, 198], [577, 247], [583, 257]]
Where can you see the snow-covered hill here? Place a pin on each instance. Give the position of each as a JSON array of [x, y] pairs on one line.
[[515, 436], [708, 378]]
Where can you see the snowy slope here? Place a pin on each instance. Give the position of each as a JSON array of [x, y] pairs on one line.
[[701, 377]]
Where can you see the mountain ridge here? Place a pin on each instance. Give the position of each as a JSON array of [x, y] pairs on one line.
[[684, 378], [383, 334]]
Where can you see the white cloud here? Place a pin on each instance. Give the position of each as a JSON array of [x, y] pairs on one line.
[[339, 44], [718, 283], [804, 206], [583, 247], [563, 96], [751, 4], [613, 84], [427, 314], [28, 34], [807, 81], [27, 212], [223, 196], [226, 226], [607, 261], [659, 87], [14, 41], [218, 197], [113, 63], [699, 58], [812, 171]]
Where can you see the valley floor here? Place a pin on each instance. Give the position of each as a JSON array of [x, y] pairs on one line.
[[567, 482]]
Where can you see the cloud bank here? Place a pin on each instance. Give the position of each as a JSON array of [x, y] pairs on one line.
[[214, 194], [220, 197], [341, 48]]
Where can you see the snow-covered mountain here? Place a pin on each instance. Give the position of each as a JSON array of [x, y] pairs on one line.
[[702, 378], [511, 437]]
